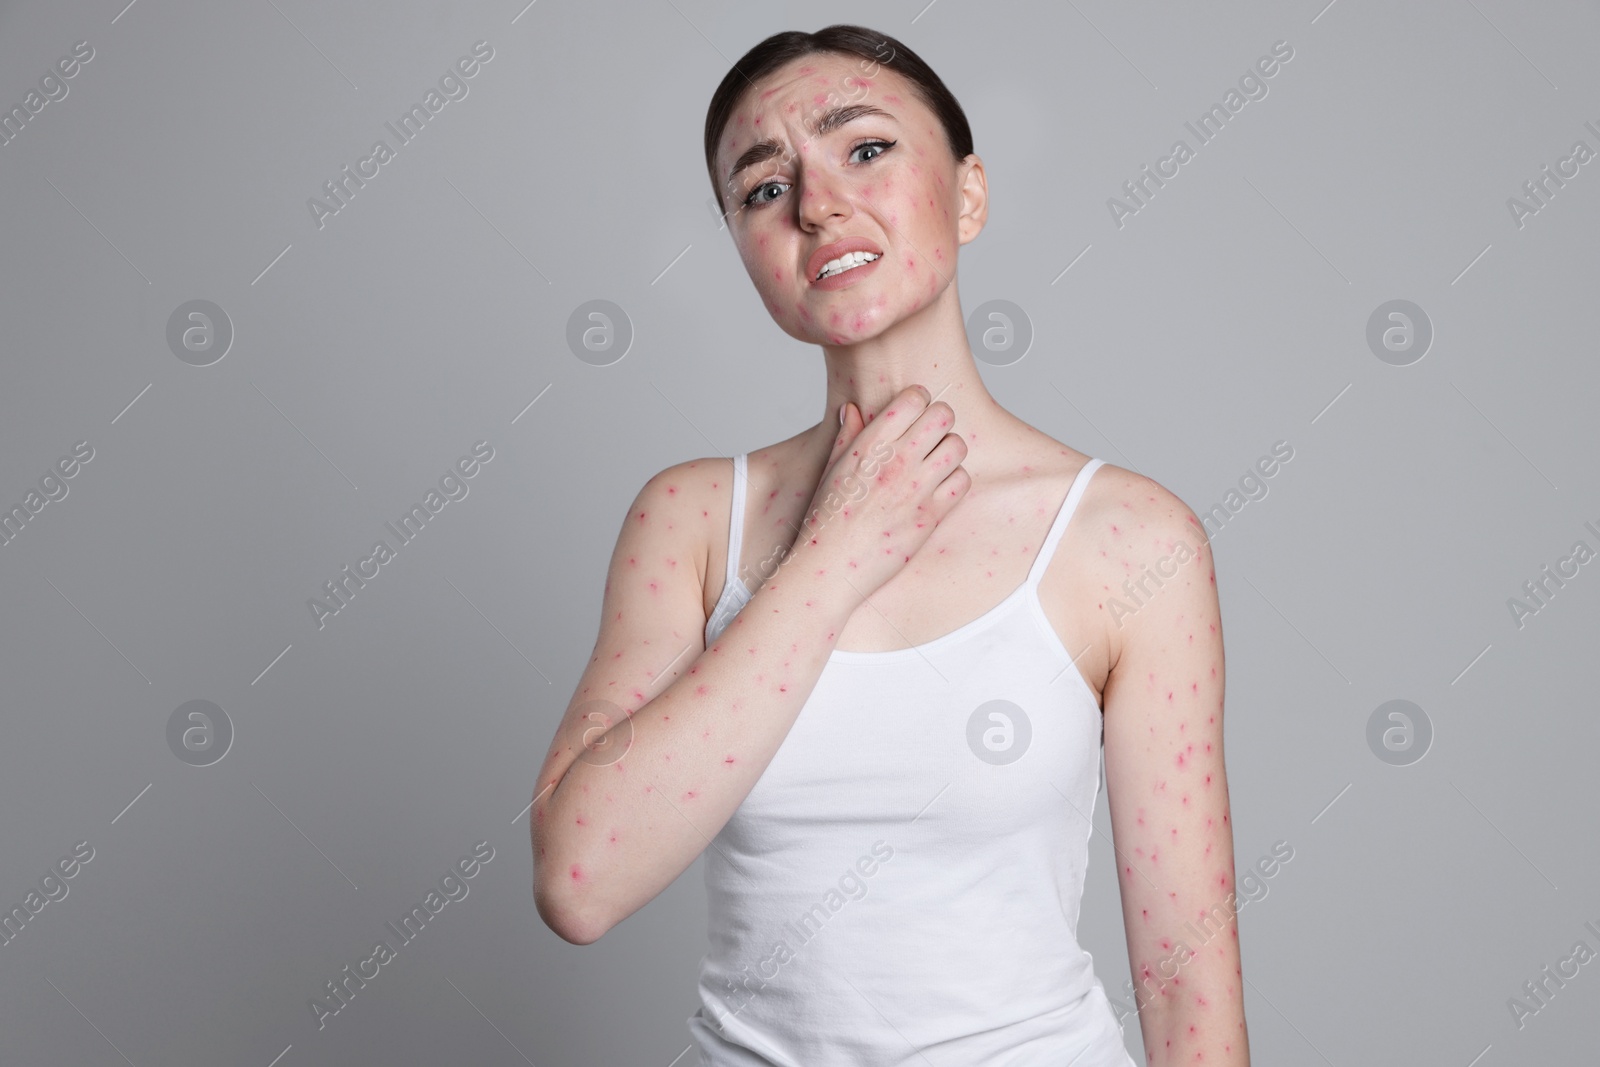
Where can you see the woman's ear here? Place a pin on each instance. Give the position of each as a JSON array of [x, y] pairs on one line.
[[974, 186]]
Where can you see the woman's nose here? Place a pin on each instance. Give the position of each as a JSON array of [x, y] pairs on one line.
[[822, 198]]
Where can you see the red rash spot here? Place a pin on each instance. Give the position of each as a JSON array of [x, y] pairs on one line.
[[577, 873], [728, 761], [581, 822], [690, 795]]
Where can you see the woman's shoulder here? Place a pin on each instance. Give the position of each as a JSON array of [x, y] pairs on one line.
[[1115, 494]]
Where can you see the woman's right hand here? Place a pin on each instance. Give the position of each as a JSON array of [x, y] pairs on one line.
[[883, 490]]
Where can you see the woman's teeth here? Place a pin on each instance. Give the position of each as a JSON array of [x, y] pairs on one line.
[[844, 263]]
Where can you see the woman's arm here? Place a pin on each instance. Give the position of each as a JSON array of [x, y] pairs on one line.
[[1168, 789], [676, 734]]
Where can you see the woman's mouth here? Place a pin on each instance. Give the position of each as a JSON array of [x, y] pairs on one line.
[[845, 262], [848, 270]]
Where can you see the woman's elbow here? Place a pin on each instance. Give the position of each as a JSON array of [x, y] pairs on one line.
[[570, 922]]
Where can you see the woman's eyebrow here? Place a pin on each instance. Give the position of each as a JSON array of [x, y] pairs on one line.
[[827, 122]]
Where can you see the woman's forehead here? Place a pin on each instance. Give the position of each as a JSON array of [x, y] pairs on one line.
[[809, 92]]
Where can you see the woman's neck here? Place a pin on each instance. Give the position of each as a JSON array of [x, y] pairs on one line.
[[929, 349]]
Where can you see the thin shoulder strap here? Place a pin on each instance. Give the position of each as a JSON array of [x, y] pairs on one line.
[[1041, 561], [736, 518]]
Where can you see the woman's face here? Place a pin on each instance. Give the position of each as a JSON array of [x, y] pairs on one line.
[[883, 175]]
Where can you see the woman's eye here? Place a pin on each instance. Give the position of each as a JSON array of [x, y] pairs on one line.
[[756, 200], [882, 146]]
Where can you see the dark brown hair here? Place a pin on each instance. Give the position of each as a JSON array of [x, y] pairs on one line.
[[839, 39]]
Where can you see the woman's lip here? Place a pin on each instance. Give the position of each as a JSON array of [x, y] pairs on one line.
[[848, 277], [830, 252]]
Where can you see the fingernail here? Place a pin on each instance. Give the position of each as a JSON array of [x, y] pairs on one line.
[[841, 413]]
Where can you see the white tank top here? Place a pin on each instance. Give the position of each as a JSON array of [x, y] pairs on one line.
[[902, 883]]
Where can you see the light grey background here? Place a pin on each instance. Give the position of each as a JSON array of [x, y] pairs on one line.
[[432, 311]]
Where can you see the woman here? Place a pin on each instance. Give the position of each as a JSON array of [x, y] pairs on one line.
[[839, 666]]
